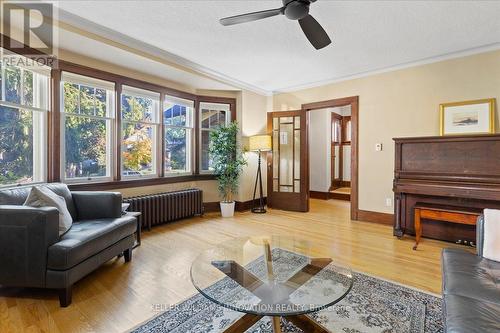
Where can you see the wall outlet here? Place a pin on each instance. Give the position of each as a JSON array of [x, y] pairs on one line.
[[388, 202], [378, 147]]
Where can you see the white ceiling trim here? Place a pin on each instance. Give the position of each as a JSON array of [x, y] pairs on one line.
[[94, 28], [449, 56]]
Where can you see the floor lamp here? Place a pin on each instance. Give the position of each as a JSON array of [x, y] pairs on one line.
[[259, 143]]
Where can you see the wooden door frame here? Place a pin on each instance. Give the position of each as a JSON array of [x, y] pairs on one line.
[[353, 101], [332, 150]]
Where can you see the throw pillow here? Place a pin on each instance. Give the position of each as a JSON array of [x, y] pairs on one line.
[[491, 238], [43, 197]]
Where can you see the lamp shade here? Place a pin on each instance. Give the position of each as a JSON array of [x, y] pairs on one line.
[[260, 142]]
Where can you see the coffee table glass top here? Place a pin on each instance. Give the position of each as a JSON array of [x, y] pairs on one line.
[[270, 276]]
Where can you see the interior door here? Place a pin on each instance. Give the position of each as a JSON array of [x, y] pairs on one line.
[[287, 184], [336, 151]]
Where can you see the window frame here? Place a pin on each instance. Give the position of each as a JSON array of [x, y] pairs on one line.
[[39, 114], [190, 155], [155, 122], [109, 118], [53, 136], [201, 130]]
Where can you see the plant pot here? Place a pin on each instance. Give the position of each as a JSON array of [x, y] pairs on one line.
[[227, 209]]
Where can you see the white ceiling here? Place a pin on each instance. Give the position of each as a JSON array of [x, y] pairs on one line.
[[273, 54]]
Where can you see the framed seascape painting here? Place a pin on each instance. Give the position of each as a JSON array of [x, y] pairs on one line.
[[469, 117]]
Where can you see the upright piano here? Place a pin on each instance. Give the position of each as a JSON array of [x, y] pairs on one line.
[[458, 171]]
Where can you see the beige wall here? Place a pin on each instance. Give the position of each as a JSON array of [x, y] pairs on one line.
[[401, 103]]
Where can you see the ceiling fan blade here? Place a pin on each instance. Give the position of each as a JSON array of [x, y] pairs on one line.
[[251, 16], [314, 32]]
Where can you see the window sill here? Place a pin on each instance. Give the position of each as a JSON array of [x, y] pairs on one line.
[[137, 183]]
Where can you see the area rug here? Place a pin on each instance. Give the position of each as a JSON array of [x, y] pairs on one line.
[[372, 306]]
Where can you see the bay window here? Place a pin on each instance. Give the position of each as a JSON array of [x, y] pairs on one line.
[[87, 112], [140, 122], [178, 128], [212, 115], [24, 96]]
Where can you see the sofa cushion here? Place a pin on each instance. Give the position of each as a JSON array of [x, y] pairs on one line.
[[44, 197], [466, 274], [18, 195], [469, 315], [87, 238]]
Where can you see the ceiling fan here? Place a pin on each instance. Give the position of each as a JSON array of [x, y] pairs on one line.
[[294, 10]]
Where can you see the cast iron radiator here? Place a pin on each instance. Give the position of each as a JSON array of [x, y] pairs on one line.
[[167, 206]]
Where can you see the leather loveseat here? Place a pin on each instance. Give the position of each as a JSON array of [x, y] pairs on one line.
[[32, 254], [471, 289]]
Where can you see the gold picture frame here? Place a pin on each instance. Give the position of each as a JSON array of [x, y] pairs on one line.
[[467, 117]]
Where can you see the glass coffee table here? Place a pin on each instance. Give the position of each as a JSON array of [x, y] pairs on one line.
[[270, 276]]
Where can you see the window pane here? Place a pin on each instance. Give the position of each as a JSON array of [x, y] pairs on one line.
[[87, 100], [208, 118], [13, 84], [179, 115], [86, 147], [176, 159], [136, 108], [28, 88], [100, 102], [137, 149], [71, 97], [206, 162], [16, 146], [222, 117]]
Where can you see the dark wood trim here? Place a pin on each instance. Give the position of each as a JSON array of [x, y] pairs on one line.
[[240, 206], [375, 217], [123, 80], [211, 207], [345, 183], [54, 129], [138, 183], [319, 195], [353, 101], [221, 100], [340, 196]]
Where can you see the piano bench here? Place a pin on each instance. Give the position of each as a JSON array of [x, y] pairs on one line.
[[447, 214]]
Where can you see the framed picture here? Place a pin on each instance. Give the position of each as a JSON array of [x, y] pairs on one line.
[[469, 117]]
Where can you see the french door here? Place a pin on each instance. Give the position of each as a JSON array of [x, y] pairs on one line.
[[287, 183]]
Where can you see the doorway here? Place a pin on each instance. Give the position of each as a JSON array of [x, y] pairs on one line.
[[340, 153], [342, 168]]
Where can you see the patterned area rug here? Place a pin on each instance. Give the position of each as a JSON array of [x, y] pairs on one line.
[[372, 306]]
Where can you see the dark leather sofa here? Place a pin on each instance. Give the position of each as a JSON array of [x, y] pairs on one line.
[[33, 255], [471, 290]]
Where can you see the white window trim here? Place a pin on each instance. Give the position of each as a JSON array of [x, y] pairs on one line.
[[110, 132], [190, 134], [215, 107], [39, 117], [154, 123]]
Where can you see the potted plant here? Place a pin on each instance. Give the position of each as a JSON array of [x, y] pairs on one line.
[[227, 163]]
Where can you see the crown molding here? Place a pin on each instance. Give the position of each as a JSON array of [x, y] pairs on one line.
[[430, 60], [144, 49]]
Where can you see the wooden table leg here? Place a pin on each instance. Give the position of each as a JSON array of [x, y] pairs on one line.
[[276, 324], [243, 324], [418, 228], [307, 324]]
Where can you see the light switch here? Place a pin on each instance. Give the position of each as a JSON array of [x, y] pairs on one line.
[[378, 147]]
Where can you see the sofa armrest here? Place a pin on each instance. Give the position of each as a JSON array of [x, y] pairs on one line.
[[25, 235], [480, 235], [97, 205]]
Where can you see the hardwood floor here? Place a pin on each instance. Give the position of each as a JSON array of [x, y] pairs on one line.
[[120, 296]]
